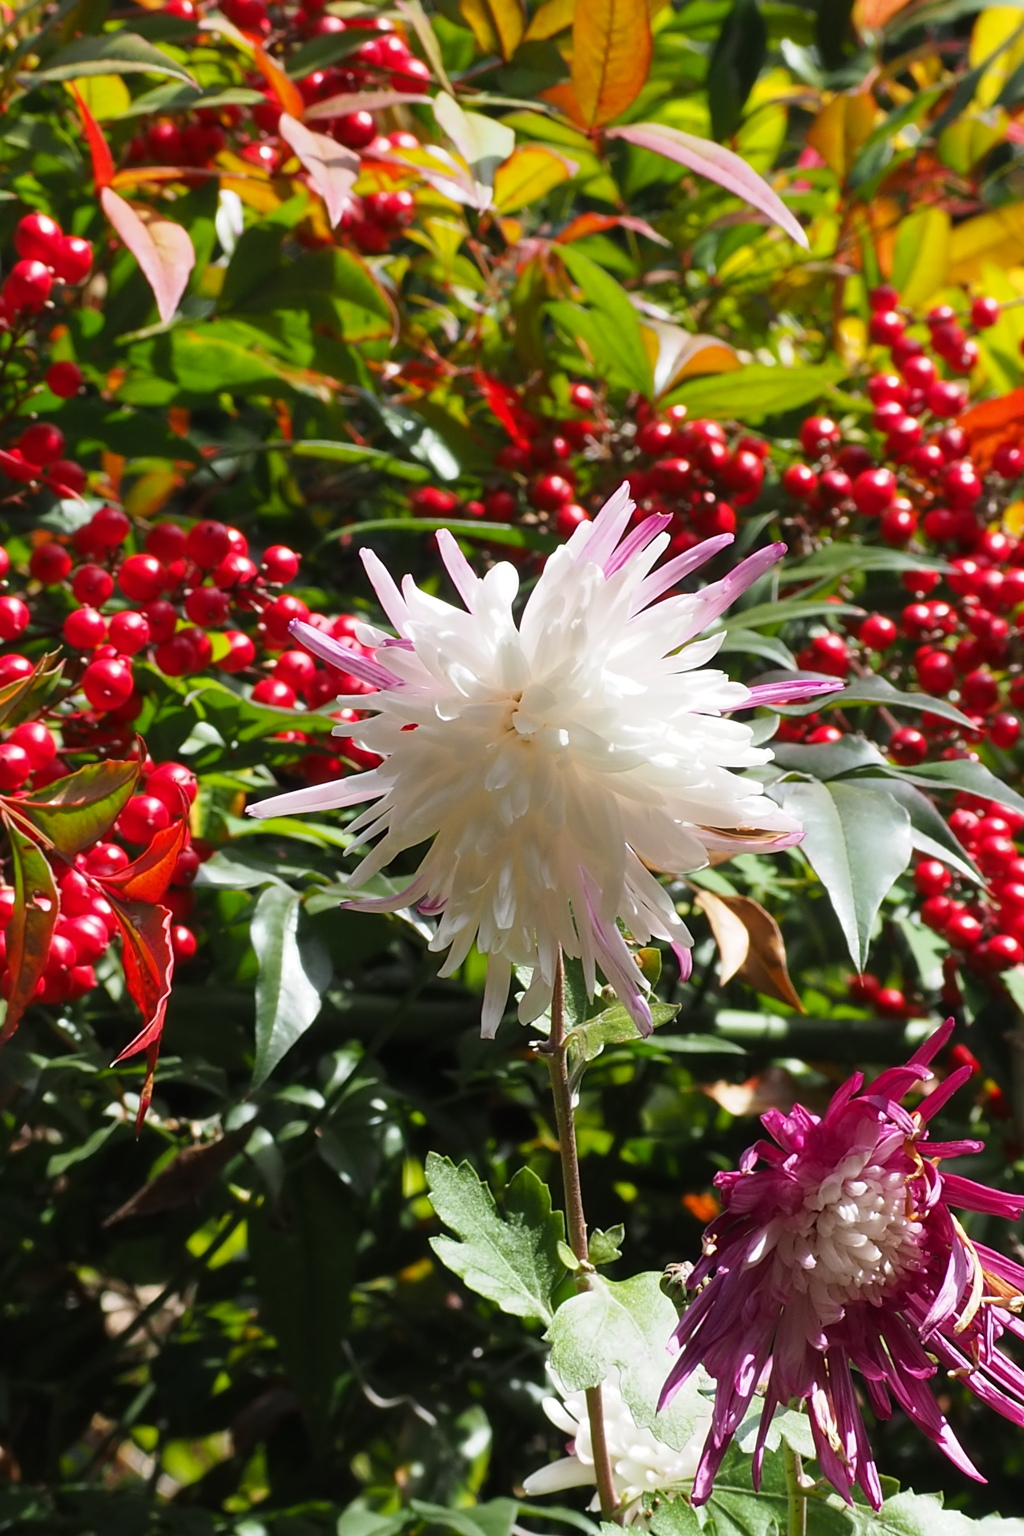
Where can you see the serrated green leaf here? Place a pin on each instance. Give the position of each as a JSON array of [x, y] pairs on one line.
[[625, 1326], [511, 1258]]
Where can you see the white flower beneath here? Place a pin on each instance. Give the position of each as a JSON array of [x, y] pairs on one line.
[[641, 1463], [553, 764]]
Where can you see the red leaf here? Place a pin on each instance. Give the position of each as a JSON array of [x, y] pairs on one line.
[[286, 92], [148, 961], [148, 876], [99, 149], [506, 405], [596, 223], [162, 249], [30, 929]]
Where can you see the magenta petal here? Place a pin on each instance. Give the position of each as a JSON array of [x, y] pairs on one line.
[[343, 656]]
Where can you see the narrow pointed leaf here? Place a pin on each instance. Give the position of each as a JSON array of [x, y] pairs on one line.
[[162, 249], [120, 53], [148, 961], [24, 695], [332, 168], [289, 982], [717, 164], [99, 149], [148, 876], [289, 97], [36, 907]]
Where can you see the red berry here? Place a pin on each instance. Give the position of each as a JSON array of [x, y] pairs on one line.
[[277, 616], [280, 564], [183, 942], [945, 399], [242, 652], [998, 953], [890, 1003], [877, 632], [50, 564], [207, 544], [799, 480], [935, 912], [275, 693], [908, 746], [85, 629], [141, 578], [14, 618], [169, 781], [432, 501], [297, 669], [235, 570], [834, 486], [88, 934], [931, 877], [166, 540], [354, 129], [141, 818], [919, 372], [582, 397], [14, 668], [1004, 730], [979, 690], [36, 237], [103, 860], [107, 683], [830, 655], [961, 486], [64, 380], [569, 518], [886, 326], [873, 491], [129, 631], [884, 296], [207, 607], [818, 435], [28, 286], [962, 930], [936, 671], [72, 260], [15, 766], [42, 443], [549, 492], [898, 523], [984, 312], [92, 584]]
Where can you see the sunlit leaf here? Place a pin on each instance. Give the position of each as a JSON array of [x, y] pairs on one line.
[[162, 249], [31, 927], [611, 57]]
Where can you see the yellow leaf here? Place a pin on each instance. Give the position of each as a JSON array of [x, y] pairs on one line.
[[611, 57], [1013, 519], [996, 237], [497, 25], [553, 16], [151, 492], [970, 138], [840, 128], [528, 175], [920, 261], [106, 96], [998, 35]]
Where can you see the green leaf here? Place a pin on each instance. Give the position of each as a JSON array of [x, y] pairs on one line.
[[114, 53], [353, 453], [496, 1518], [673, 1517], [785, 611], [320, 52], [511, 1258], [76, 811], [871, 690], [303, 1253], [737, 58], [487, 533], [606, 1247], [962, 773], [619, 321], [858, 842], [930, 832], [839, 558], [21, 698], [31, 927], [612, 1027], [290, 978], [757, 390], [625, 1326]]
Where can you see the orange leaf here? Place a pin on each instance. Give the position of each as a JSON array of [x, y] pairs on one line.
[[148, 961], [870, 15], [148, 876], [332, 168], [287, 93], [162, 249], [565, 99], [994, 422], [611, 56], [99, 149]]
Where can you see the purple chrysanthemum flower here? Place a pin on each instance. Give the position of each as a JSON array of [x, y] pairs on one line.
[[838, 1248]]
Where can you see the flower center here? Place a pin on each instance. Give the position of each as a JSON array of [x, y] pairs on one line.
[[851, 1241]]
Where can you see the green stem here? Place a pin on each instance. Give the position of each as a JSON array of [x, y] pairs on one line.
[[796, 1499], [576, 1225]]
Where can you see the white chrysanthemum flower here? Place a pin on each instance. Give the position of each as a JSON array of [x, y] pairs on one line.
[[641, 1463], [554, 763]]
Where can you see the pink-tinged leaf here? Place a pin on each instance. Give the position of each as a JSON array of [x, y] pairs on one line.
[[162, 249], [596, 223], [717, 164], [363, 101], [332, 168]]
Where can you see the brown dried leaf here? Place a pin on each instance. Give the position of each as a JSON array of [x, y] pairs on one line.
[[772, 1089], [750, 946], [187, 1176]]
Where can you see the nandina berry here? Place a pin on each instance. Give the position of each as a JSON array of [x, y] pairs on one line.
[[36, 237], [1004, 730], [88, 934], [72, 259], [13, 668], [961, 485], [931, 877], [162, 619], [141, 818], [85, 628], [64, 380], [874, 490], [183, 941], [979, 690], [935, 912], [235, 570], [141, 578], [877, 632], [354, 129], [799, 480], [280, 564], [278, 615], [936, 671], [166, 540], [883, 296], [998, 953], [569, 518], [107, 683], [169, 781], [14, 617], [207, 606], [49, 563], [41, 443], [93, 585], [549, 492], [207, 543], [908, 746], [891, 1003], [27, 286], [15, 766], [129, 631], [962, 930], [275, 693], [241, 652]]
